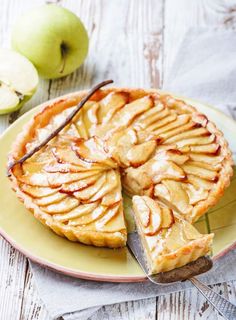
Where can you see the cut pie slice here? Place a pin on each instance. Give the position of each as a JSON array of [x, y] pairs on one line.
[[168, 241]]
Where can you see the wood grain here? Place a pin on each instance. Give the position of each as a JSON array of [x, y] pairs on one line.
[[133, 42]]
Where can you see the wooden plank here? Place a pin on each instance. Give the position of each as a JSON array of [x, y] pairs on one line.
[[13, 265], [179, 17], [32, 307], [138, 310]]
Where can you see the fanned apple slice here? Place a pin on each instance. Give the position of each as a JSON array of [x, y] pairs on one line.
[[87, 193], [54, 198], [36, 179], [152, 172], [125, 141], [82, 209], [212, 148], [161, 192], [212, 160], [140, 206], [79, 123], [167, 218], [173, 155], [110, 213], [151, 208], [159, 170], [80, 185], [164, 121], [38, 192], [144, 136], [68, 156], [112, 179], [126, 115], [115, 222], [198, 132], [155, 217], [178, 196], [196, 141], [112, 196], [150, 122], [200, 172], [62, 206], [212, 167], [179, 121], [142, 120], [139, 154], [170, 135], [195, 194], [65, 168], [89, 218], [58, 179], [199, 182], [93, 151], [113, 102], [90, 115]]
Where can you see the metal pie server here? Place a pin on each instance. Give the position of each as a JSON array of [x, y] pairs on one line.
[[201, 265]]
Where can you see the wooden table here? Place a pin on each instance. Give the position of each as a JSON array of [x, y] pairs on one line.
[[133, 42]]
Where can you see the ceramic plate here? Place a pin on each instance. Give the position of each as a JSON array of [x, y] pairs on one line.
[[24, 232]]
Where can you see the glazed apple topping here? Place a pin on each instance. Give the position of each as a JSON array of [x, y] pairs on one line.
[[159, 149]]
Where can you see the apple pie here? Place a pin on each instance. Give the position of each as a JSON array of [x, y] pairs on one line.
[[150, 143]]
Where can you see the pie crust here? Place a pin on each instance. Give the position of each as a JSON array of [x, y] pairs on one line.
[[149, 142]]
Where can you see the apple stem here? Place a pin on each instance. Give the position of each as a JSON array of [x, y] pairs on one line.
[[63, 54], [55, 132]]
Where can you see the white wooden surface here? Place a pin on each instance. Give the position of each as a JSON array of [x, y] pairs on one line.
[[133, 42]]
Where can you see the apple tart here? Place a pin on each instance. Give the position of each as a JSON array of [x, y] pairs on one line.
[[150, 143]]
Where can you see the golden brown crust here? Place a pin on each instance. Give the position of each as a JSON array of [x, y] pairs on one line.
[[53, 107]]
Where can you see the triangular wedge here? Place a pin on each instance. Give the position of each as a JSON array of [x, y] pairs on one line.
[[168, 241]]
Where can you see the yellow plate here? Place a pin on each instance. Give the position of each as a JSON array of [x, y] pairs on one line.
[[40, 244]]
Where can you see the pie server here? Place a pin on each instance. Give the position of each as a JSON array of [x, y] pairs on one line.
[[187, 272]]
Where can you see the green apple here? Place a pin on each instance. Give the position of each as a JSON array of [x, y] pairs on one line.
[[18, 80], [53, 38]]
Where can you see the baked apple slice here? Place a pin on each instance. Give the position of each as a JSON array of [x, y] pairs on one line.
[[80, 185], [54, 198], [179, 121], [93, 151], [112, 103], [62, 206], [38, 192], [202, 140], [90, 191], [77, 212], [112, 181]]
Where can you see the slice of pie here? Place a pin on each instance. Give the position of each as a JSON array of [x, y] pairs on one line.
[[168, 241], [150, 143]]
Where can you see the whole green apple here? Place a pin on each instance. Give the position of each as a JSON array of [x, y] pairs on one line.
[[53, 38]]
